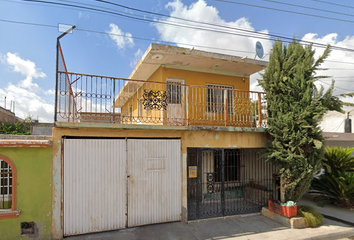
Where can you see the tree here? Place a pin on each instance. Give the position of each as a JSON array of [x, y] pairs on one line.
[[295, 106], [19, 128]]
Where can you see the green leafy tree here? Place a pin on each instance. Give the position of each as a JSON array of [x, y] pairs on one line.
[[295, 106], [18, 128]]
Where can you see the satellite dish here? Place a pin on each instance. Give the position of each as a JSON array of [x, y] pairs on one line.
[[259, 49]]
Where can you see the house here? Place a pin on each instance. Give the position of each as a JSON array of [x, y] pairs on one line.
[[7, 115], [179, 140], [25, 187], [337, 128]]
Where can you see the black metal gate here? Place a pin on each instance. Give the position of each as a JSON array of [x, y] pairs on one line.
[[225, 182]]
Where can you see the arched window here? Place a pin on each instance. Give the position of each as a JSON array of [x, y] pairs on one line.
[[8, 184]]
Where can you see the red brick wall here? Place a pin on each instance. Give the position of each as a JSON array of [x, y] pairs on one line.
[[7, 115]]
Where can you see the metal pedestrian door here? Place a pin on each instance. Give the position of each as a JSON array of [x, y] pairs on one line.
[[115, 183], [225, 182]]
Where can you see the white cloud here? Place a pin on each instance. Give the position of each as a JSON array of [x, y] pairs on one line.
[[137, 56], [26, 68], [341, 72], [27, 94], [201, 12], [119, 37], [232, 44]]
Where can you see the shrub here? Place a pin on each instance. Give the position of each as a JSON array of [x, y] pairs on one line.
[[335, 187], [19, 128], [312, 217], [338, 159]]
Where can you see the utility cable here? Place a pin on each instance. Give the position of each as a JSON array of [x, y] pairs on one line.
[[311, 8], [185, 26], [287, 11], [334, 4]]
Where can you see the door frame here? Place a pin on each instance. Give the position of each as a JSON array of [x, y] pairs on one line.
[[182, 105]]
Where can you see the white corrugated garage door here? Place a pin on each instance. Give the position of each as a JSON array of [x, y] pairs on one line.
[[155, 181], [94, 185], [96, 176]]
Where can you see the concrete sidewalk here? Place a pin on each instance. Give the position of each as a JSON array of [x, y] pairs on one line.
[[238, 227]]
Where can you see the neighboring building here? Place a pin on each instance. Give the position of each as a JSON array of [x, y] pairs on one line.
[[25, 187], [179, 140], [334, 121], [338, 128], [38, 128], [8, 116]]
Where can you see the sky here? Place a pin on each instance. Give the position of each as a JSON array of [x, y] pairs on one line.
[[109, 40]]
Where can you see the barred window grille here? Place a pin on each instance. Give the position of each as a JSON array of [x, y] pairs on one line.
[[175, 90], [5, 185], [174, 95], [215, 98]]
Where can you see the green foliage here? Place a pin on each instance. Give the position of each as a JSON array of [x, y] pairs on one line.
[[19, 128], [337, 184], [338, 159], [295, 106], [335, 187], [312, 217]]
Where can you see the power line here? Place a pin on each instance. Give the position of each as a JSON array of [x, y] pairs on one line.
[[149, 39], [207, 23], [245, 35], [287, 11], [193, 27], [336, 87], [341, 77], [334, 78], [145, 39], [334, 4], [338, 61], [122, 35], [311, 8]]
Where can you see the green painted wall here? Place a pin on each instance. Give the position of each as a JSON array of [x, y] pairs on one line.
[[34, 198]]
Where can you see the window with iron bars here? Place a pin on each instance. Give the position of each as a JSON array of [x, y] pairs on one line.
[[5, 185], [174, 91], [215, 98]]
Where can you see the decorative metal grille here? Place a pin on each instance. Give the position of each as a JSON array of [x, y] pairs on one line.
[[210, 182], [243, 106], [155, 100]]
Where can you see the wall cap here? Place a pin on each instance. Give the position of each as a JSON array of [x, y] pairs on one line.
[[24, 143]]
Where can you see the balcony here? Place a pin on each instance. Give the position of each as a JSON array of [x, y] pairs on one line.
[[99, 99]]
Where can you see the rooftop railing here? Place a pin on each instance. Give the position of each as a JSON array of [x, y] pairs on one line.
[[90, 98]]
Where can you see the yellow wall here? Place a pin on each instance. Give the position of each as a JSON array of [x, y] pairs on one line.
[[189, 139], [196, 98], [200, 78]]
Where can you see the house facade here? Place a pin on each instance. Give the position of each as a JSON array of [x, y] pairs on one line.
[[25, 187], [179, 140]]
